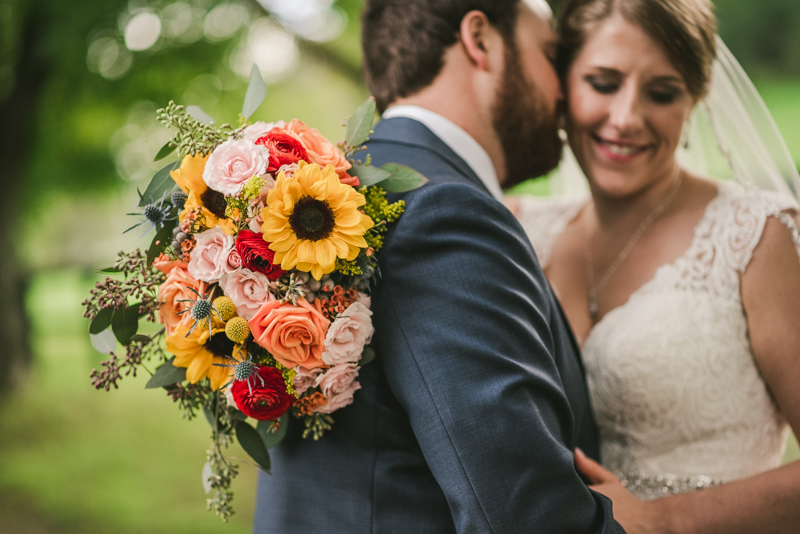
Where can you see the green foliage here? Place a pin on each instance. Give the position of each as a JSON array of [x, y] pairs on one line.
[[255, 94], [166, 375], [192, 136]]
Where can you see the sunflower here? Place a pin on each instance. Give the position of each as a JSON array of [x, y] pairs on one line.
[[212, 204], [312, 218], [199, 351]]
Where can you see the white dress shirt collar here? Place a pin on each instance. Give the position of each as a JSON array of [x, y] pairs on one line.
[[459, 141]]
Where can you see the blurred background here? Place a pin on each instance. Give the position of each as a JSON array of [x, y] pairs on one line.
[[79, 86]]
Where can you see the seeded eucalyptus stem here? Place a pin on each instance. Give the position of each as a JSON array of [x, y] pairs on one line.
[[222, 471]]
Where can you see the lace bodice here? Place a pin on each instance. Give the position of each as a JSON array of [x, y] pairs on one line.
[[674, 386]]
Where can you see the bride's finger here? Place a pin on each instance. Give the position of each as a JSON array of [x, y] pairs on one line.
[[593, 471]]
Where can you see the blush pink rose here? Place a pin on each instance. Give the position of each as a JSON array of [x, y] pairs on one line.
[[348, 334], [259, 129], [176, 288], [338, 384], [248, 290], [305, 378], [294, 335], [321, 151], [209, 259], [232, 163], [234, 261]]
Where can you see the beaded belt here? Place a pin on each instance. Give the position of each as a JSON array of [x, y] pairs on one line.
[[653, 486]]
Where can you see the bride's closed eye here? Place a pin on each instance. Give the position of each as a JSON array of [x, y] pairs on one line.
[[602, 85]]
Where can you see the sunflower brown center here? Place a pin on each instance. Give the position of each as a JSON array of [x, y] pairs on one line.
[[312, 219], [220, 345], [214, 201]]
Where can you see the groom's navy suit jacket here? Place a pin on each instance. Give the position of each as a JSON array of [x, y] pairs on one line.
[[466, 419]]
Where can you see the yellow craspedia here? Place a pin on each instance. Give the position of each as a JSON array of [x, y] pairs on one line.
[[237, 330], [312, 218], [225, 307]]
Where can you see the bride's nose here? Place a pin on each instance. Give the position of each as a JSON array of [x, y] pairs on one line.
[[625, 113]]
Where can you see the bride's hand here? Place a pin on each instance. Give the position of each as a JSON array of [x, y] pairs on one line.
[[635, 516]]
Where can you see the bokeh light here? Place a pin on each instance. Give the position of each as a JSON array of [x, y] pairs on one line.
[[142, 30], [270, 47]]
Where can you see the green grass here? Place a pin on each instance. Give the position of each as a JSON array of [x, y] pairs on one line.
[[75, 460]]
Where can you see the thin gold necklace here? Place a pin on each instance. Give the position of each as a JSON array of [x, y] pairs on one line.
[[595, 287]]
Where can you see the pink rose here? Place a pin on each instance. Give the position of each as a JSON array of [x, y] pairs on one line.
[[294, 335], [256, 219], [348, 334], [210, 255], [248, 290], [305, 378], [234, 262], [364, 299], [232, 163], [259, 129], [338, 384]]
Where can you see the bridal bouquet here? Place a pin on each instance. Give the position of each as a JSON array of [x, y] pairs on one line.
[[259, 272]]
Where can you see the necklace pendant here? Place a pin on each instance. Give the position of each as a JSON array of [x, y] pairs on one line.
[[593, 309]]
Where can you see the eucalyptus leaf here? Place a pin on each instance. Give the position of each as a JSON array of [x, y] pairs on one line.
[[271, 439], [161, 240], [367, 356], [255, 94], [105, 342], [369, 175], [360, 124], [125, 322], [403, 178], [209, 416], [196, 112], [110, 270], [205, 476], [166, 375], [251, 442], [101, 321], [165, 151], [161, 184]]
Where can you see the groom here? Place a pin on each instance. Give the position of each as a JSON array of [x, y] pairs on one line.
[[467, 418]]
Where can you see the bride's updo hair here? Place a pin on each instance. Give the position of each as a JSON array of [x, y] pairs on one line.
[[686, 29]]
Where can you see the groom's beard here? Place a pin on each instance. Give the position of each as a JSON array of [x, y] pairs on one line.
[[527, 129]]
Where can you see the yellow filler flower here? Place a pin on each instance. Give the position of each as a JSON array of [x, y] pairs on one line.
[[312, 218]]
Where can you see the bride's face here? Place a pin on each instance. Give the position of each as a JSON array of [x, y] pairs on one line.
[[627, 106]]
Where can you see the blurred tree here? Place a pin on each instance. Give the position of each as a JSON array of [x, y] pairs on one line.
[[58, 115]]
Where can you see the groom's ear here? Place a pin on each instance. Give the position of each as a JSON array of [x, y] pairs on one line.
[[479, 39]]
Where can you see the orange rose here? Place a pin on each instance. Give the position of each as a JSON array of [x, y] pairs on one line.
[[165, 264], [294, 335], [174, 289], [321, 151]]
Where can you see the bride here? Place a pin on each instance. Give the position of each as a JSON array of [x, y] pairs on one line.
[[684, 291]]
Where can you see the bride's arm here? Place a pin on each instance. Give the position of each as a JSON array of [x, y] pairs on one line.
[[764, 503]]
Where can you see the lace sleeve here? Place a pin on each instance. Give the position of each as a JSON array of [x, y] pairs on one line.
[[544, 219], [748, 214]]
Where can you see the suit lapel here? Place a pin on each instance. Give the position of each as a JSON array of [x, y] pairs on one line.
[[409, 132]]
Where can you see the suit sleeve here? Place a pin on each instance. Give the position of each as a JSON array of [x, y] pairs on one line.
[[462, 317]]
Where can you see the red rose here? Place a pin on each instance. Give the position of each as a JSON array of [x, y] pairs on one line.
[[256, 254], [283, 150], [267, 401]]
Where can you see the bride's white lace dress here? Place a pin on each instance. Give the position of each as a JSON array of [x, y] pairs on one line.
[[675, 389]]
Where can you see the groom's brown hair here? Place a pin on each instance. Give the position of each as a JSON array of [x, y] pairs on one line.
[[404, 41]]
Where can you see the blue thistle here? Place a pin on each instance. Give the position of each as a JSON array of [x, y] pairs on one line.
[[243, 370], [202, 310]]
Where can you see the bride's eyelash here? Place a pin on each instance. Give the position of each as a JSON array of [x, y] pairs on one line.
[[664, 97], [603, 87]]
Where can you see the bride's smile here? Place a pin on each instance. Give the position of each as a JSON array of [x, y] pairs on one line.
[[627, 107]]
